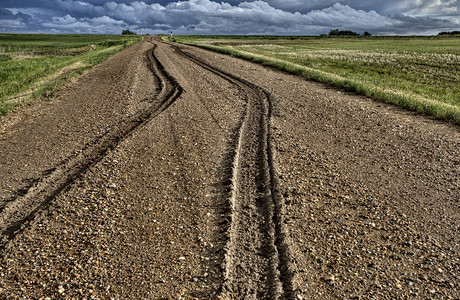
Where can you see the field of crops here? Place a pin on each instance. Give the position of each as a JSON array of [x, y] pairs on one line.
[[419, 73], [34, 64]]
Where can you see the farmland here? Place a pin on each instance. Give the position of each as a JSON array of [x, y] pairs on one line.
[[418, 73], [34, 64]]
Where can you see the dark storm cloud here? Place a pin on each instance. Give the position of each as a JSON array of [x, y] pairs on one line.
[[235, 17], [13, 22]]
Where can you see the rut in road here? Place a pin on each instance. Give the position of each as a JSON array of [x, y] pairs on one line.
[[16, 214], [256, 261]]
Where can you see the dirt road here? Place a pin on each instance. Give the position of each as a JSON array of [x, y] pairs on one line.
[[170, 172]]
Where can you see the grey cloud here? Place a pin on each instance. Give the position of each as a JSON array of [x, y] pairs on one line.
[[434, 8], [260, 18], [13, 21], [236, 17], [68, 23], [80, 8], [447, 9], [419, 25], [6, 14]]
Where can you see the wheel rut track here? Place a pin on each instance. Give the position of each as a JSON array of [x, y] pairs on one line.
[[257, 258], [20, 211]]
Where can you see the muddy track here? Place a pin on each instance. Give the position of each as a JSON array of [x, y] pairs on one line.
[[19, 211], [256, 260]]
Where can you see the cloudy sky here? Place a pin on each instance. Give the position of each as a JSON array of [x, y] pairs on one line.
[[277, 17]]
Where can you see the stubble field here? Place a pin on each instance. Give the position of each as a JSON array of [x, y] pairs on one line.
[[418, 73], [36, 64]]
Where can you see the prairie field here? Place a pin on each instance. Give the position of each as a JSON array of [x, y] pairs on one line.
[[418, 73], [34, 64]]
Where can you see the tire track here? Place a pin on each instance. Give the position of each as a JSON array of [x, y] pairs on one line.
[[256, 260], [17, 213]]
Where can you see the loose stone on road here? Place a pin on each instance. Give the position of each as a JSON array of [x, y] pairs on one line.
[[171, 172]]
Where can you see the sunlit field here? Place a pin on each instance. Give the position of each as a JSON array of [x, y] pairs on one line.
[[34, 64], [418, 73]]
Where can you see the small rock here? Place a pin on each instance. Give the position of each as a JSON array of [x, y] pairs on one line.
[[195, 279], [113, 185], [299, 297], [181, 258], [61, 289], [329, 278], [432, 291]]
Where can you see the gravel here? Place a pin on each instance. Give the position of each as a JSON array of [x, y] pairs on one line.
[[370, 191]]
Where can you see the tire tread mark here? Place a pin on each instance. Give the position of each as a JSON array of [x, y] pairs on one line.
[[20, 211], [271, 205]]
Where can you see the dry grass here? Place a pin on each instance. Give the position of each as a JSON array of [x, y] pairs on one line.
[[421, 74]]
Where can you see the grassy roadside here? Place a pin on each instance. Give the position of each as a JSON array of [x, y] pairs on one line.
[[35, 65], [417, 73]]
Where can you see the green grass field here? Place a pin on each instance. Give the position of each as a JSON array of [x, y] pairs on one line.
[[418, 73], [35, 64]]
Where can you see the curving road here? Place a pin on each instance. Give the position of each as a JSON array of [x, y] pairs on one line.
[[171, 172]]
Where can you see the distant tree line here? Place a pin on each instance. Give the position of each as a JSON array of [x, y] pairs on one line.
[[336, 32], [128, 32], [449, 33]]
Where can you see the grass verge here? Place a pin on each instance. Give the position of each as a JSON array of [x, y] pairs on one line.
[[409, 98], [36, 65]]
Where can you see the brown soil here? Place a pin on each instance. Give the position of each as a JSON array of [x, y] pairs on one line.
[[171, 172]]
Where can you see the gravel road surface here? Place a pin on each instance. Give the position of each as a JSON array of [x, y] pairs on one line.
[[171, 172]]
